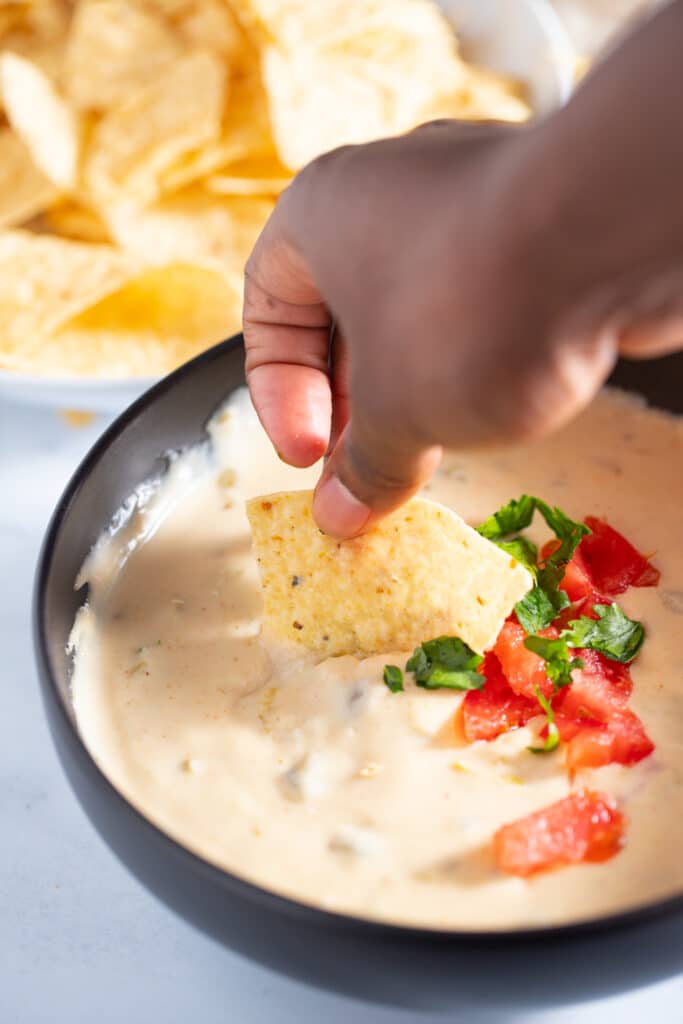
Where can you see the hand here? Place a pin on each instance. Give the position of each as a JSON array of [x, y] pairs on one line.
[[413, 248]]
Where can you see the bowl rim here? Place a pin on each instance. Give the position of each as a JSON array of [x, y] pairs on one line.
[[560, 42], [557, 41], [236, 884]]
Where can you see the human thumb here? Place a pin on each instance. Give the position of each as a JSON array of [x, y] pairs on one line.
[[369, 473]]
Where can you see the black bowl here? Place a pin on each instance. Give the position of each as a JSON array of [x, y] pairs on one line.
[[402, 966]]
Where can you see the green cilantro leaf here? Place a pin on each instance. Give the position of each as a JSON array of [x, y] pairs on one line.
[[541, 605], [446, 663], [568, 532], [538, 613], [511, 518], [523, 550], [612, 634], [419, 663], [393, 677], [555, 653], [553, 737]]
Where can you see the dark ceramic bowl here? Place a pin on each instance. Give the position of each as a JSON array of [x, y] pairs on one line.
[[389, 964]]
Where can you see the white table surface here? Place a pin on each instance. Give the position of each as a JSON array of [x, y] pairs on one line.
[[80, 940]]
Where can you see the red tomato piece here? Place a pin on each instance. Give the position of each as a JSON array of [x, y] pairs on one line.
[[599, 689], [585, 826], [613, 563], [577, 582], [523, 669], [569, 725], [593, 719], [567, 615], [620, 740], [496, 708]]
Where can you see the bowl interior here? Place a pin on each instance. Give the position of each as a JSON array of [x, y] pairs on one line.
[[132, 450]]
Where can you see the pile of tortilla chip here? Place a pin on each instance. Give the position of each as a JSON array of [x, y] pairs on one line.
[[143, 144]]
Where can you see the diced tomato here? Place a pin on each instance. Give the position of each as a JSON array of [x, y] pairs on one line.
[[496, 708], [600, 688], [620, 740], [577, 582], [567, 615], [613, 564], [523, 669], [548, 548], [585, 826], [569, 725], [596, 663], [593, 719]]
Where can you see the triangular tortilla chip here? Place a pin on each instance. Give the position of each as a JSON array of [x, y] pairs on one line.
[[420, 573]]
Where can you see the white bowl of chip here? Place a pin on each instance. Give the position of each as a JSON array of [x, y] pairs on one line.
[[521, 38]]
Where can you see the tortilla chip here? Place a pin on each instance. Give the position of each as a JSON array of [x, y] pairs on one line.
[[420, 573], [134, 143], [156, 321], [115, 47], [43, 51], [25, 21], [296, 23], [195, 226], [245, 134], [70, 220], [213, 24], [44, 281], [375, 69], [13, 14], [484, 96], [41, 118], [379, 67], [24, 190], [260, 176]]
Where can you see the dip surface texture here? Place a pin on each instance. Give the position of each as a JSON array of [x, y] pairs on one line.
[[310, 777]]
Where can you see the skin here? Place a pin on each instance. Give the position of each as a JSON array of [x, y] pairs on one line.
[[468, 284]]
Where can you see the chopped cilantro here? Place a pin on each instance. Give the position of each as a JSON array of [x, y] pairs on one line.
[[553, 737], [568, 532], [539, 607], [524, 550], [612, 633], [446, 663], [555, 653], [393, 677], [509, 519]]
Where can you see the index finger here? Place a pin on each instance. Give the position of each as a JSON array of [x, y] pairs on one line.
[[286, 335]]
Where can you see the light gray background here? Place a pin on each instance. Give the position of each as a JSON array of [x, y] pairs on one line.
[[80, 939]]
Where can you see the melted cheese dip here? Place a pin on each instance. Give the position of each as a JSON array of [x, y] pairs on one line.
[[314, 780]]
